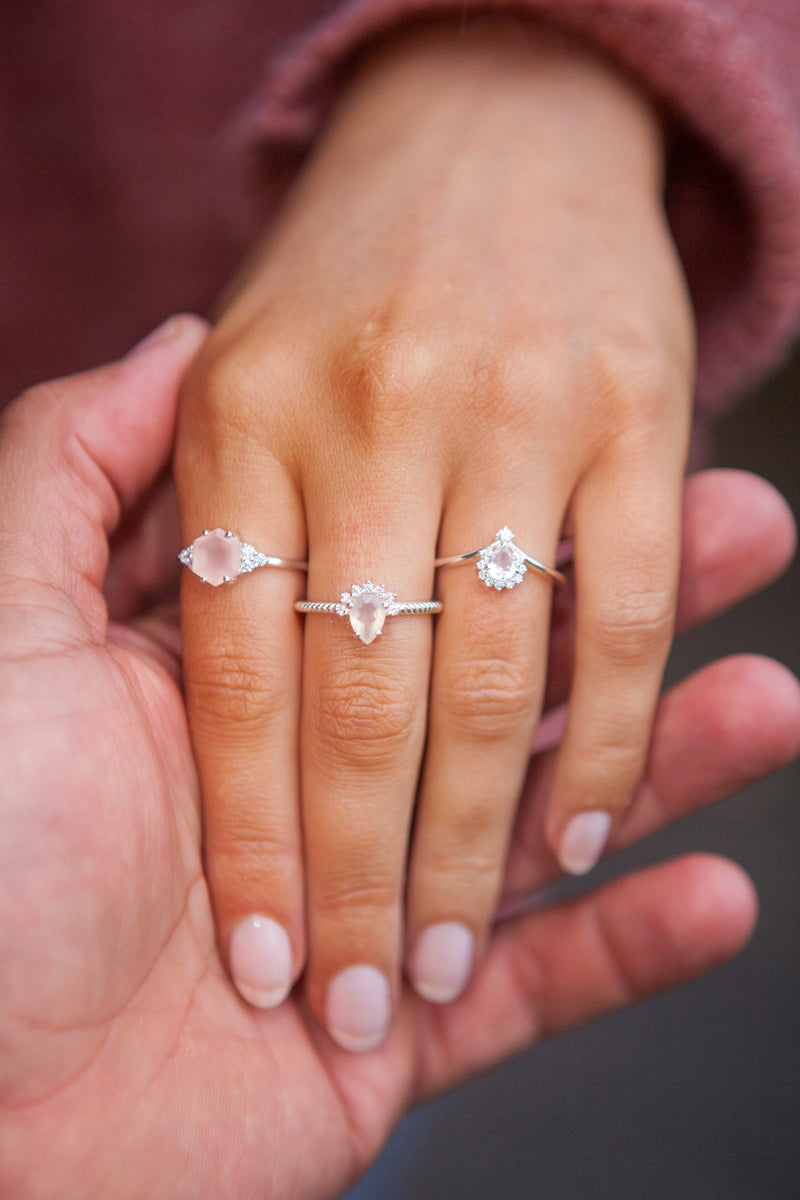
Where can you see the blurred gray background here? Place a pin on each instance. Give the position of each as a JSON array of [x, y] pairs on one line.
[[694, 1095]]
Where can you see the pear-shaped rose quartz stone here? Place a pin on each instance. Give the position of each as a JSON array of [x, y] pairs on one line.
[[216, 558], [502, 564], [367, 616]]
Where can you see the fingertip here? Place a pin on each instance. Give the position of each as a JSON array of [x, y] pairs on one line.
[[761, 500], [260, 956], [717, 910], [764, 723], [583, 841], [441, 962], [358, 1008], [181, 329], [778, 690], [739, 535], [772, 511]]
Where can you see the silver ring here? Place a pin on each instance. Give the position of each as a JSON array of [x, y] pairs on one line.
[[219, 556], [368, 605], [501, 564]]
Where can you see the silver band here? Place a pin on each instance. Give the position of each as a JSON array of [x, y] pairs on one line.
[[367, 605], [219, 556], [408, 608], [502, 564], [550, 572]]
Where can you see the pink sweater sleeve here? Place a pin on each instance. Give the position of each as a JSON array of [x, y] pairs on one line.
[[728, 70]]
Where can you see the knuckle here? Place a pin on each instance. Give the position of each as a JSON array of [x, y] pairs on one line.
[[358, 716], [502, 391], [385, 374], [218, 386], [490, 695], [352, 892], [249, 861], [613, 766], [224, 398], [634, 377], [242, 691], [637, 627], [247, 841], [471, 847]]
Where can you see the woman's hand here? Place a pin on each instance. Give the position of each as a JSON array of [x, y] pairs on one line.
[[129, 1067], [469, 315]]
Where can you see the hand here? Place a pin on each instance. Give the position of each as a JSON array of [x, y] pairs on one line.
[[129, 1066], [470, 313]]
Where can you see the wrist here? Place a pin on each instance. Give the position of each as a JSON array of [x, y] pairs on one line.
[[495, 81]]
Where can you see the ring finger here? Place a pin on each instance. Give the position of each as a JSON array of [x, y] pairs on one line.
[[488, 677]]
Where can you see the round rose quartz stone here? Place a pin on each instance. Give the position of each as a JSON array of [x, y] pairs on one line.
[[216, 558]]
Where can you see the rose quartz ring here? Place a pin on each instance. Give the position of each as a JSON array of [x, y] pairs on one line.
[[219, 556], [367, 605], [502, 564]]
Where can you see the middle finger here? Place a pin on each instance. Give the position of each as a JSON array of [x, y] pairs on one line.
[[363, 730]]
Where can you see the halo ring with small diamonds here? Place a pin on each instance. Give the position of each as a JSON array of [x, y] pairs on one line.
[[367, 605], [502, 564], [219, 556]]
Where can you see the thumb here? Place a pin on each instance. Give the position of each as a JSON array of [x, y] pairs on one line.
[[76, 453]]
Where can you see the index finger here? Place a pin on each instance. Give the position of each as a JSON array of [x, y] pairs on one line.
[[242, 647]]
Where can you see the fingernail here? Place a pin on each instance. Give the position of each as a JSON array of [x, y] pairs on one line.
[[583, 841], [442, 961], [358, 1008], [160, 334], [261, 961]]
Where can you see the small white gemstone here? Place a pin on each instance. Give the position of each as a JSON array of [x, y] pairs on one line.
[[252, 558], [505, 534]]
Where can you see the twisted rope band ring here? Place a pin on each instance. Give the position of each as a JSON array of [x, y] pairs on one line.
[[368, 605], [219, 556], [502, 564]]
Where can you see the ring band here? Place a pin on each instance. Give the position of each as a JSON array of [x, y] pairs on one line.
[[368, 605], [501, 564], [219, 556]]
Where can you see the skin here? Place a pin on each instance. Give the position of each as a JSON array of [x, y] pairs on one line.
[[469, 313], [129, 1065]]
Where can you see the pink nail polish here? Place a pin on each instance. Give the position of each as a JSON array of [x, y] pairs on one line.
[[261, 961], [358, 1008], [442, 961], [583, 841]]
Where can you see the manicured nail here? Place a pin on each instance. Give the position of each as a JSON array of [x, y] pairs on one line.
[[441, 962], [583, 841], [358, 1008], [160, 334], [261, 961]]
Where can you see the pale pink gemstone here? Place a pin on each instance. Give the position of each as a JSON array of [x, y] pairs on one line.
[[216, 557], [501, 563], [367, 616]]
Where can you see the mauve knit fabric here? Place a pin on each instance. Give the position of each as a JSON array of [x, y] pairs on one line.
[[132, 137]]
